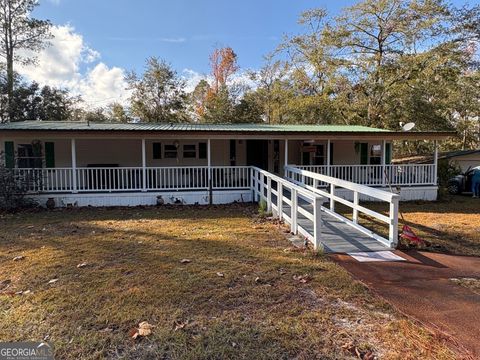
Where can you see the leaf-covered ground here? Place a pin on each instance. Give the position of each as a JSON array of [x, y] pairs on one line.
[[241, 292]]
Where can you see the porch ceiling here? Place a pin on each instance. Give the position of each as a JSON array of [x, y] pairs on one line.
[[153, 130]]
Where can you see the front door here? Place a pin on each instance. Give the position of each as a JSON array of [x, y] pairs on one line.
[[257, 153]]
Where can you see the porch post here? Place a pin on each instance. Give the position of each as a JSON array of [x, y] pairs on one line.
[[144, 167], [209, 164], [435, 163], [286, 159], [383, 162], [74, 165], [328, 157]]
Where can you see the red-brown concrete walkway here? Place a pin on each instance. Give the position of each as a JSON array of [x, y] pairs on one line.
[[421, 287]]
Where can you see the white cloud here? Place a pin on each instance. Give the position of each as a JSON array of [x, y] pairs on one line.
[[60, 65]]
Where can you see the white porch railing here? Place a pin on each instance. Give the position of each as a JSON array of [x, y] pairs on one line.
[[374, 175], [280, 194], [310, 180], [121, 179]]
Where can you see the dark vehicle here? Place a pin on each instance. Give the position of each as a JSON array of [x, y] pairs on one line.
[[462, 183]]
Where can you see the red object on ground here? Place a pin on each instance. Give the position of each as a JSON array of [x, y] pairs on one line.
[[408, 234]]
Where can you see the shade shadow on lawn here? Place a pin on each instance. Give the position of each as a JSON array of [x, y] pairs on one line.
[[237, 298]]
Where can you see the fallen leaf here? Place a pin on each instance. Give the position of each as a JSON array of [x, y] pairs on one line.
[[18, 258], [144, 329], [302, 278], [220, 274], [179, 325], [185, 261], [53, 281]]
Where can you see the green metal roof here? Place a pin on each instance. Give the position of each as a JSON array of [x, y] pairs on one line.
[[84, 126]]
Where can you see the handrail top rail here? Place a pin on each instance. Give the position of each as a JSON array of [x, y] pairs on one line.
[[360, 165], [301, 190], [364, 189]]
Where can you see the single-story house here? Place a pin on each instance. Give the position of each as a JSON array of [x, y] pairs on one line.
[[463, 159], [102, 164]]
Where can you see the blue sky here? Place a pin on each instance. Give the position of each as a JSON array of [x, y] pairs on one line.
[[97, 41]]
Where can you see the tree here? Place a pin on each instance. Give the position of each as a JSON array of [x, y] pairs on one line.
[[223, 62], [117, 113], [158, 95], [20, 32], [217, 101]]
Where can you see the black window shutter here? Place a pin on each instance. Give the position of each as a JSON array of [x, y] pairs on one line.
[[364, 154], [157, 150], [388, 153], [49, 154], [9, 155], [202, 150]]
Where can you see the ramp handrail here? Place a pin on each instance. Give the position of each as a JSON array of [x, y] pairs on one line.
[[265, 184], [310, 180]]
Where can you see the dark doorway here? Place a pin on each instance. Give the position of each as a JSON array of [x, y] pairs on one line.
[[257, 153]]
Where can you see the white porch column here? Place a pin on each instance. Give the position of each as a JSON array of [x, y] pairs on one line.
[[383, 162], [144, 167], [74, 165], [328, 157], [435, 163], [209, 165], [286, 159]]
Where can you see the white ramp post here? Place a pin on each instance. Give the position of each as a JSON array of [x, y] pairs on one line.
[[293, 212], [393, 226], [332, 194], [328, 157], [269, 194], [383, 163], [144, 167], [280, 200], [74, 166], [435, 163], [355, 207], [317, 224], [286, 159], [209, 169], [262, 186]]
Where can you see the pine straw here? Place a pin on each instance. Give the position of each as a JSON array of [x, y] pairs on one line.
[[134, 273]]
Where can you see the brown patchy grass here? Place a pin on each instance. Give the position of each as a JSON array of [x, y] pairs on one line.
[[450, 225], [134, 274]]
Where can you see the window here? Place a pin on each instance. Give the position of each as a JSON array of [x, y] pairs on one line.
[[202, 150], [376, 154], [170, 152], [29, 156], [157, 150], [189, 151]]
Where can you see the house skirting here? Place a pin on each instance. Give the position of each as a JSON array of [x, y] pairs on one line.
[[147, 198], [426, 193]]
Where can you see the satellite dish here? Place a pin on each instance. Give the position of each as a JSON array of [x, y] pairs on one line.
[[407, 127]]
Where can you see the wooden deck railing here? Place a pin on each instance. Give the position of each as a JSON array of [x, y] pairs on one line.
[[122, 179], [280, 194], [311, 181], [378, 175]]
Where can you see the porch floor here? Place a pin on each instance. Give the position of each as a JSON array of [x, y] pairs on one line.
[[337, 236]]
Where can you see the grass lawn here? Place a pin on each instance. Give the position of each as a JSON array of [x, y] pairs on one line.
[[450, 225], [246, 293]]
